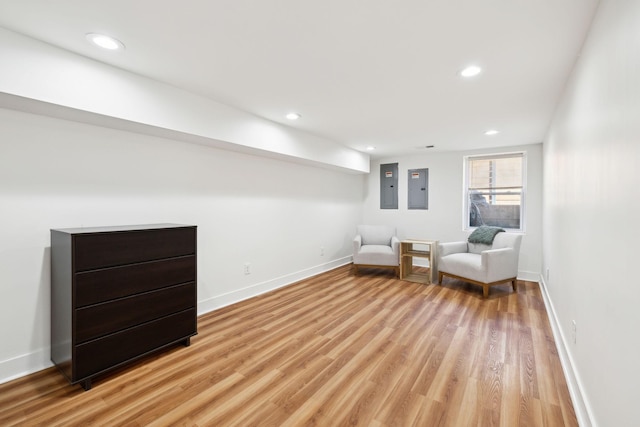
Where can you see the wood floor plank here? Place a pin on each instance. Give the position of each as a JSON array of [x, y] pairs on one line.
[[332, 350], [319, 405]]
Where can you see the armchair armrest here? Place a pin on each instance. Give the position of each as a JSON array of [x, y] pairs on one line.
[[357, 243], [499, 263], [449, 248], [395, 246]]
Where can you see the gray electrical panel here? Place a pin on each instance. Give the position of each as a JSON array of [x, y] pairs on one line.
[[418, 186], [389, 186]]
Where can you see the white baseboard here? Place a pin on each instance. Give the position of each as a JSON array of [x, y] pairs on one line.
[[32, 362], [238, 295], [24, 365], [583, 410], [529, 276]]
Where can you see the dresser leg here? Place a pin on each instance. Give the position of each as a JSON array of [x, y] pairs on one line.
[[86, 384], [187, 342]]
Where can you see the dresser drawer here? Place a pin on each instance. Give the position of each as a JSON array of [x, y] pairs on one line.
[[116, 282], [107, 352], [100, 250], [101, 319]]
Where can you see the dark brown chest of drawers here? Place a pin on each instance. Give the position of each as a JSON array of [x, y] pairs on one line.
[[119, 293]]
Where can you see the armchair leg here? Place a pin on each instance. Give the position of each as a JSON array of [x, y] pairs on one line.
[[440, 278], [354, 269], [514, 285], [485, 291]]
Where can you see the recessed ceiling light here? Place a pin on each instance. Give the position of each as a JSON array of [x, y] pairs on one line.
[[491, 132], [105, 42], [293, 116], [470, 71], [370, 148]]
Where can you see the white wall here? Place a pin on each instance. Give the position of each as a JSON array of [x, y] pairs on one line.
[[591, 211], [443, 220], [56, 173]]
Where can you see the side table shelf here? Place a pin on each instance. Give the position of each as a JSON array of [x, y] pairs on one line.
[[417, 248]]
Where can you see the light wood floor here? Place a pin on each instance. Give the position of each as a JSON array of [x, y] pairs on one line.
[[332, 350]]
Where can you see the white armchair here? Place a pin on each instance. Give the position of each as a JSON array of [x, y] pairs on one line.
[[376, 246], [481, 264]]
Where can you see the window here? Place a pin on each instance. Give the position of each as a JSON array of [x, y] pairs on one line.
[[494, 190]]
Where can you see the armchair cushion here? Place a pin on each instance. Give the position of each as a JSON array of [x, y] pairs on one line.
[[376, 234], [451, 248], [376, 255]]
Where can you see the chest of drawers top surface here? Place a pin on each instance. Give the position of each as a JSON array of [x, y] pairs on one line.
[[101, 247], [116, 228]]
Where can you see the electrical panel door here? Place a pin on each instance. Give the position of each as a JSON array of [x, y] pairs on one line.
[[418, 189], [389, 186]]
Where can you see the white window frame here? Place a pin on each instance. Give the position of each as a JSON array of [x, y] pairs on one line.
[[465, 191]]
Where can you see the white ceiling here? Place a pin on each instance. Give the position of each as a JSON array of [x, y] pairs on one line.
[[361, 72]]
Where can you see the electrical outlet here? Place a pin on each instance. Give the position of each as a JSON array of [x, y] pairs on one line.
[[321, 250], [247, 268], [574, 331]]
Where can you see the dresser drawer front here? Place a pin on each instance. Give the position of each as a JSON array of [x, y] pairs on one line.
[[102, 250], [105, 353], [106, 318], [106, 284]]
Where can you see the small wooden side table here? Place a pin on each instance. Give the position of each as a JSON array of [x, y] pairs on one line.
[[417, 248]]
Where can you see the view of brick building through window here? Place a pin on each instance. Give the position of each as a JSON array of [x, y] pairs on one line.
[[495, 191]]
